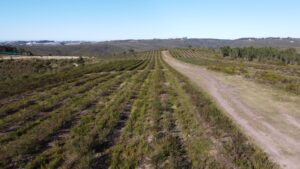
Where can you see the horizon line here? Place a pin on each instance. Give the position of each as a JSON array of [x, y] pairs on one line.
[[110, 40]]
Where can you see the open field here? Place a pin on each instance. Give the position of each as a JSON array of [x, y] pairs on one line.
[[131, 113], [265, 112], [150, 84]]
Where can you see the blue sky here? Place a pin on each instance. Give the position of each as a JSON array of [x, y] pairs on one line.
[[99, 20]]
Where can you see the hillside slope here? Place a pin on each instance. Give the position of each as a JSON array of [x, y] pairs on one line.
[[116, 47]]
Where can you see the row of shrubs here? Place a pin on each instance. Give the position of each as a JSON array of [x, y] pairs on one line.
[[19, 85], [34, 140], [39, 112], [90, 135]]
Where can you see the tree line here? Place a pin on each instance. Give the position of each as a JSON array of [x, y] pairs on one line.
[[288, 56], [10, 50]]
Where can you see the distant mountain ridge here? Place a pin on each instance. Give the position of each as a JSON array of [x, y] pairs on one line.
[[91, 48]]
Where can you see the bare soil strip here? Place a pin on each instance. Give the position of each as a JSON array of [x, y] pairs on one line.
[[270, 117]]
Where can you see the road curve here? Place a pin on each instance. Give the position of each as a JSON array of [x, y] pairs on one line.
[[269, 117]]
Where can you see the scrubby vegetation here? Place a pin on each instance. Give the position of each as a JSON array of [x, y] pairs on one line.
[[13, 69], [288, 56], [10, 50], [268, 70], [132, 113], [50, 79]]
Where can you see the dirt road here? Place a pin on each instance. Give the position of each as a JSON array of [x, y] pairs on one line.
[[270, 117]]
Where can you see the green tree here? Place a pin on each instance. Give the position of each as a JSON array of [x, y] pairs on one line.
[[226, 51], [81, 61]]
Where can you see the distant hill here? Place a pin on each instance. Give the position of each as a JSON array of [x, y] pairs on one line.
[[87, 48]]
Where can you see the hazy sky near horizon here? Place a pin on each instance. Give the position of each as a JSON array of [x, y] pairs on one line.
[[99, 20]]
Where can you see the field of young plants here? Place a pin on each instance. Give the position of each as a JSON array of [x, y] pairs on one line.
[[136, 112]]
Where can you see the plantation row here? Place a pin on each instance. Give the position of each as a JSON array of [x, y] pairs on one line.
[[286, 77], [32, 124], [132, 114], [13, 69], [49, 80]]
